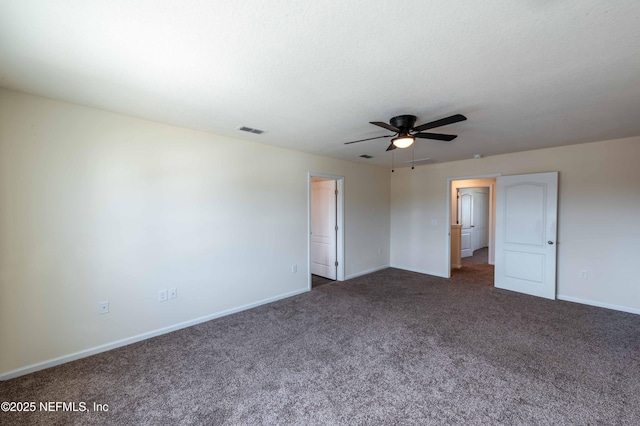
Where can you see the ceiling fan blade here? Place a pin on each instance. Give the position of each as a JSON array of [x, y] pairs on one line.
[[391, 147], [442, 122], [368, 139], [386, 126], [436, 136]]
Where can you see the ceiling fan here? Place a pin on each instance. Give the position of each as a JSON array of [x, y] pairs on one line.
[[405, 132]]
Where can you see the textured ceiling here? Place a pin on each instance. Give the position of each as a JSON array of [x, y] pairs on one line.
[[312, 74]]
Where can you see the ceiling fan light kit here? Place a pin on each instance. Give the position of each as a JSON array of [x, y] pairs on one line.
[[406, 132], [403, 141]]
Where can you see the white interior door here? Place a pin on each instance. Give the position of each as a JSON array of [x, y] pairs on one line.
[[526, 229], [323, 228], [480, 218], [466, 233]]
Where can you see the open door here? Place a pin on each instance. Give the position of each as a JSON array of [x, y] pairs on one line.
[[465, 200], [526, 230], [324, 228]]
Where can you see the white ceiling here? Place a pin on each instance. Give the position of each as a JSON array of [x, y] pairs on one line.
[[527, 74]]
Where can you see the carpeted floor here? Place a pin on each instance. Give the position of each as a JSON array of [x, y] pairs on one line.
[[393, 347], [480, 257], [317, 280]]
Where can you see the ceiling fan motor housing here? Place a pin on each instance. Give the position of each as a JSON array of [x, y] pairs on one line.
[[403, 122]]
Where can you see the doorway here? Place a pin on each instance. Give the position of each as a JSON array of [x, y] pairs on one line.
[[471, 221], [473, 217], [523, 244], [326, 247], [472, 206]]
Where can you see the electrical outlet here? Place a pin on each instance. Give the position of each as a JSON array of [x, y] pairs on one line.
[[173, 293], [162, 296], [583, 274], [103, 307], [379, 251], [294, 268]]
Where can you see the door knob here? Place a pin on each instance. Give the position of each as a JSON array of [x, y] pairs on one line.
[[550, 242]]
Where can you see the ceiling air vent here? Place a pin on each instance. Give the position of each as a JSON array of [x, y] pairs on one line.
[[251, 130], [420, 160], [366, 156]]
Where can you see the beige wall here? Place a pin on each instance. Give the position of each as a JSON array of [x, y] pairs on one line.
[[99, 206], [598, 230]]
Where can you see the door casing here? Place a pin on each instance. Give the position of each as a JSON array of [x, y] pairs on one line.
[[324, 232]]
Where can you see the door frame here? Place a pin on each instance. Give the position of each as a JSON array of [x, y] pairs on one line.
[[339, 221], [448, 213]]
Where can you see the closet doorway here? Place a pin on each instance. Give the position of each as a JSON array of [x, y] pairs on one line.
[[325, 229]]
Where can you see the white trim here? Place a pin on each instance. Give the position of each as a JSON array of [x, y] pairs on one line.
[[368, 271], [339, 221], [419, 271], [140, 337], [487, 176], [598, 304]]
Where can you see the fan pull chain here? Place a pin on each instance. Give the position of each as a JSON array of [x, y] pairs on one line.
[[413, 156], [393, 157]]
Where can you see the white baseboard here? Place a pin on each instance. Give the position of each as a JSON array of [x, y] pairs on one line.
[[598, 304], [419, 271], [134, 339], [369, 271]]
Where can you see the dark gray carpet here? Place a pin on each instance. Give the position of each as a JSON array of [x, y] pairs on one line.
[[317, 280], [393, 347], [480, 257]]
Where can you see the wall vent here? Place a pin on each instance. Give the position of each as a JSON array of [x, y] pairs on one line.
[[366, 156], [250, 130]]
